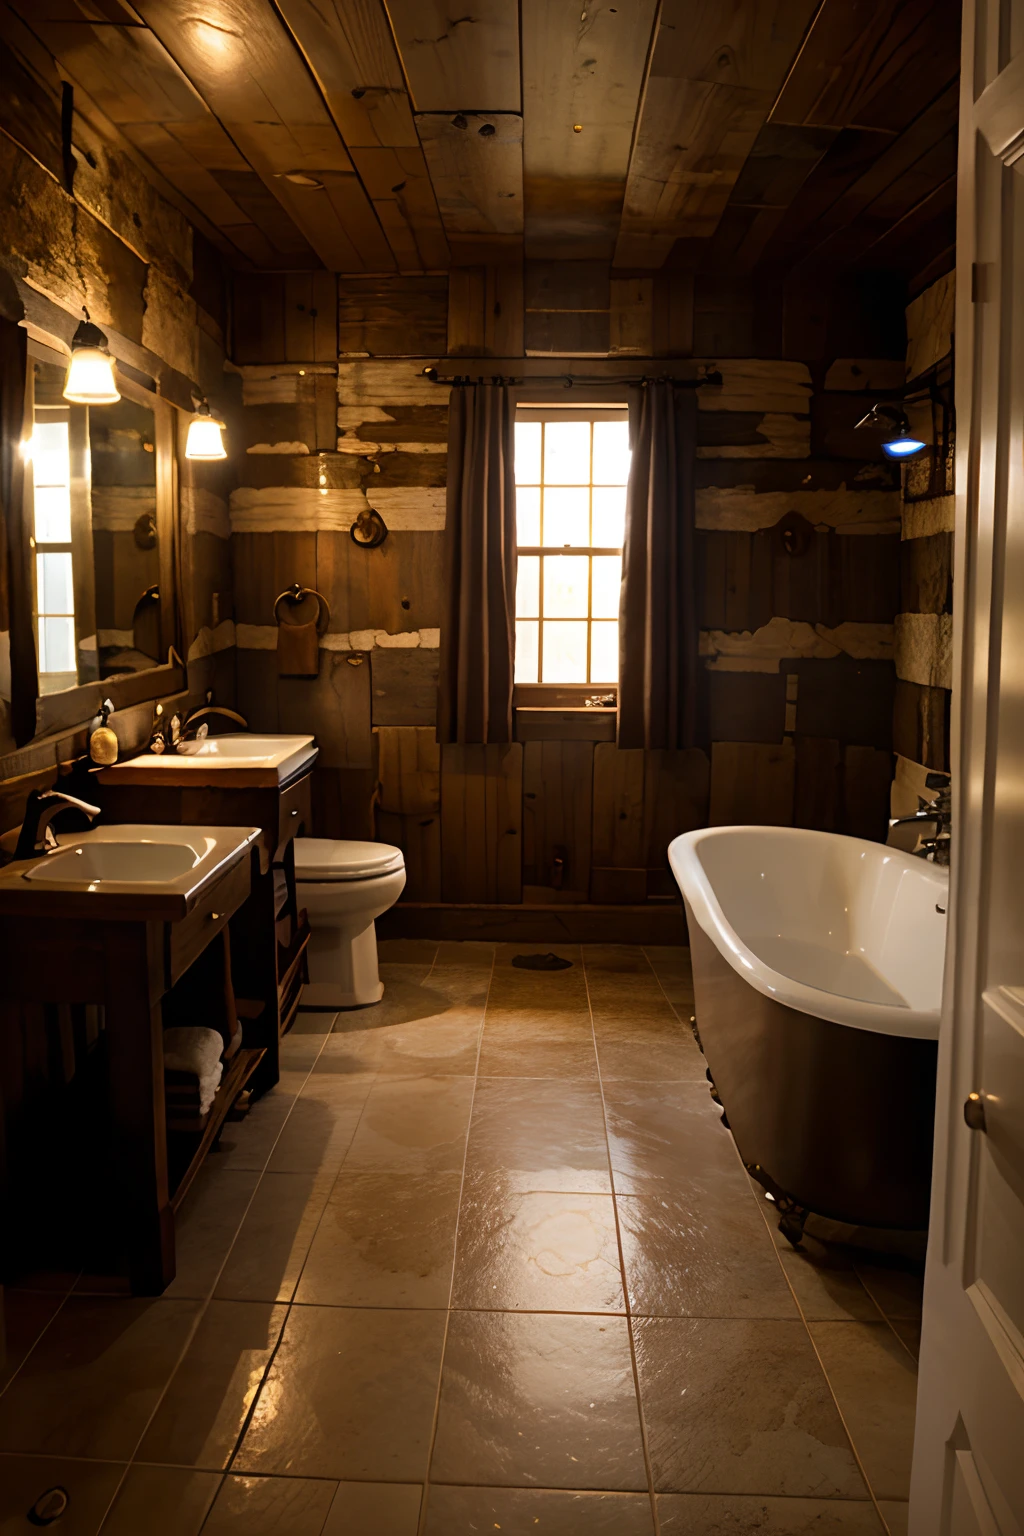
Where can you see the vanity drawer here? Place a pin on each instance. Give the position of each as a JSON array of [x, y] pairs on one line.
[[187, 939], [295, 811]]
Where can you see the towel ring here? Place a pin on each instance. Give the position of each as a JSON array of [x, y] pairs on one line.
[[295, 594]]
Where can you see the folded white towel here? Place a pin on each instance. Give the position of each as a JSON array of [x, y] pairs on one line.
[[197, 1051]]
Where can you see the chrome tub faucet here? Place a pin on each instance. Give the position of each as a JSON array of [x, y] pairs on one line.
[[936, 813]]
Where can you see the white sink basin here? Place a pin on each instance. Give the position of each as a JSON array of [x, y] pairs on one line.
[[133, 870], [135, 863], [258, 759]]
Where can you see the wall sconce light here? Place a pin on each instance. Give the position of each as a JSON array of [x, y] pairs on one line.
[[205, 438], [90, 379], [899, 443]]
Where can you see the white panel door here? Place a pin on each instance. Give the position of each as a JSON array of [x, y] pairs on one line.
[[969, 1452]]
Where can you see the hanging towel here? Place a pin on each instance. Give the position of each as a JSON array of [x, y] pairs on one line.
[[298, 649]]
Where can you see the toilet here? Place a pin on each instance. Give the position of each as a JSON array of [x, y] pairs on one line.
[[343, 887]]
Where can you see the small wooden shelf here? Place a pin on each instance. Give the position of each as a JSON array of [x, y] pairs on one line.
[[185, 1152]]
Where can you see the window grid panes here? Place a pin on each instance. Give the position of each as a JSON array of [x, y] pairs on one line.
[[570, 519], [55, 600]]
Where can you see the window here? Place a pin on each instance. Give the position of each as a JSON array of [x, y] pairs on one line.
[[571, 469], [55, 593]]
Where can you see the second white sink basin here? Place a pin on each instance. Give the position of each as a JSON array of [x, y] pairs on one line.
[[238, 759], [135, 863]]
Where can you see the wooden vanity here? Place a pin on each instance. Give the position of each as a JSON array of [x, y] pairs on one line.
[[270, 934], [72, 945]]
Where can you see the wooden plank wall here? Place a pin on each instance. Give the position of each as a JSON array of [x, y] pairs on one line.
[[924, 623], [798, 525]]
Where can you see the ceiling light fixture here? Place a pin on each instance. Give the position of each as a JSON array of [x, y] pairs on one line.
[[90, 379], [900, 443], [205, 438]]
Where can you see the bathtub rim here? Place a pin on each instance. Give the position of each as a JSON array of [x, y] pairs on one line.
[[695, 885]]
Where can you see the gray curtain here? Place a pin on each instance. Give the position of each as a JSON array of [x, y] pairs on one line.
[[478, 615], [658, 622], [16, 589]]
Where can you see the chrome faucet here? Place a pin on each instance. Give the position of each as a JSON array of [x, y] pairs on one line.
[[168, 734], [937, 813], [37, 835], [187, 733]]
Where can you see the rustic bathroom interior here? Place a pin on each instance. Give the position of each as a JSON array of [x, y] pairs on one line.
[[476, 667]]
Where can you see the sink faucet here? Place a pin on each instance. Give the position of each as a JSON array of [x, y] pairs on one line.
[[937, 813], [37, 835], [166, 735], [187, 731]]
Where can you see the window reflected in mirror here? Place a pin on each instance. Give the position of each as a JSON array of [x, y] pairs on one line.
[[96, 597], [122, 439]]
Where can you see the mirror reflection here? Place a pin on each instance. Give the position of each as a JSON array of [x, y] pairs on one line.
[[96, 566]]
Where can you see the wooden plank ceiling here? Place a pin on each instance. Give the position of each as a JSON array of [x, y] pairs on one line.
[[375, 136]]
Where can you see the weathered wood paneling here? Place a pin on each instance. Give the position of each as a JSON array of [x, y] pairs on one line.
[[558, 782], [747, 706], [392, 316], [752, 784], [485, 310], [817, 797], [676, 800], [409, 761], [264, 565], [930, 326], [926, 574], [618, 809], [453, 62], [396, 587], [419, 838], [404, 687], [335, 706], [343, 802], [482, 823], [867, 776], [848, 700]]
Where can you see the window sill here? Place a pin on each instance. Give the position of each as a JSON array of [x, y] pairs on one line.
[[563, 722]]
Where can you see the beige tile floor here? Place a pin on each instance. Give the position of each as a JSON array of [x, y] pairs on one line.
[[485, 1260]]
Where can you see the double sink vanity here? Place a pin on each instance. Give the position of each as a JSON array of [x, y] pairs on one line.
[[179, 906]]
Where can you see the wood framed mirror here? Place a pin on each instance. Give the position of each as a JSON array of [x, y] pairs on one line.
[[101, 482]]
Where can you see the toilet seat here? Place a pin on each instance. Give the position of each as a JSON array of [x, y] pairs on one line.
[[325, 859]]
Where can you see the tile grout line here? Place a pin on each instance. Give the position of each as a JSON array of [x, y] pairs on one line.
[[290, 1304], [194, 1329], [201, 1313], [421, 1524], [821, 1364], [644, 1441], [796, 1300], [890, 1322]]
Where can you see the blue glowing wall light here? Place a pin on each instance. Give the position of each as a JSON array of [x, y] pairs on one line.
[[900, 443]]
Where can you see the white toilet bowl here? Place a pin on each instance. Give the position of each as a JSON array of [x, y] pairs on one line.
[[343, 887]]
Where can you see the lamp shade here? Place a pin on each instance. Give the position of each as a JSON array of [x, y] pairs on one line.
[[903, 447], [90, 379], [205, 438]]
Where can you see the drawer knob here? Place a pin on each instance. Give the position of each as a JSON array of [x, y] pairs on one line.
[[293, 813], [215, 917]]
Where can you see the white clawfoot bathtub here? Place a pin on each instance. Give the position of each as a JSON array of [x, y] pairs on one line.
[[817, 965]]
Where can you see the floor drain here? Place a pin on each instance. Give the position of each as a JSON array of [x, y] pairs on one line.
[[541, 962], [49, 1506]]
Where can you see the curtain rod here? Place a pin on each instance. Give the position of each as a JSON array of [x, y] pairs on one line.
[[460, 380]]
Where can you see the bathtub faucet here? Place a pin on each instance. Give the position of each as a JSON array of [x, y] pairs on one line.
[[937, 813]]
